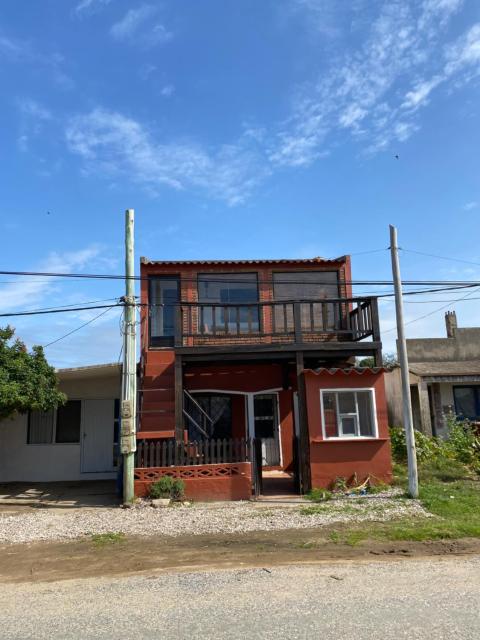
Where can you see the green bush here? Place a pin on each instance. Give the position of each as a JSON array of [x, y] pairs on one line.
[[460, 447], [462, 442], [167, 487]]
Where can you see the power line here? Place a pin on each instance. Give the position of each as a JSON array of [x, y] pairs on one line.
[[432, 255], [35, 312], [431, 313], [96, 276], [78, 328]]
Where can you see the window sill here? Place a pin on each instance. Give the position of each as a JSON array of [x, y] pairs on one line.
[[350, 440]]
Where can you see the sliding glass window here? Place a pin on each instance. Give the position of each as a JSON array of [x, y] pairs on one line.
[[297, 286], [163, 296], [227, 303]]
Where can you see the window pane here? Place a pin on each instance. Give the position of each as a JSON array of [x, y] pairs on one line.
[[365, 412], [330, 415], [232, 289], [68, 422], [348, 426], [40, 427], [163, 295], [465, 405], [307, 285], [346, 402]]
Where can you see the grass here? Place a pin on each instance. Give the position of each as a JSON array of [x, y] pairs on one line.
[[447, 490], [104, 539]]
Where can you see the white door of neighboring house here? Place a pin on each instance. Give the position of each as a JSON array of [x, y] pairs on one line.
[[97, 435]]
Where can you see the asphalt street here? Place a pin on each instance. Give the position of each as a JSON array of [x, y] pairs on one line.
[[428, 598]]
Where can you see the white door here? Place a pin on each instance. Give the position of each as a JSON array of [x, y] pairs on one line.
[[267, 428], [97, 435]]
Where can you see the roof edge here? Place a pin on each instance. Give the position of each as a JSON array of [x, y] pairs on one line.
[[316, 260]]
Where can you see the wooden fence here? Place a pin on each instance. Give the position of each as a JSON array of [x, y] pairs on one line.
[[167, 453]]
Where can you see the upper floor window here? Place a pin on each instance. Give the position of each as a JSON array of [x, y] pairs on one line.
[[311, 286], [163, 296], [305, 285], [238, 292], [348, 413]]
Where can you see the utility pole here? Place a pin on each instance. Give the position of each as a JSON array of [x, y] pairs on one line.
[[403, 358], [129, 377]]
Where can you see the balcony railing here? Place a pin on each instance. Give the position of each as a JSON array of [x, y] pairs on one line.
[[343, 319]]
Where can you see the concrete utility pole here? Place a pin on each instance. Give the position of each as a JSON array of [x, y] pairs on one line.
[[129, 378], [403, 358]]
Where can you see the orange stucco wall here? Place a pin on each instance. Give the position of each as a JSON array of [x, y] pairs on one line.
[[330, 459]]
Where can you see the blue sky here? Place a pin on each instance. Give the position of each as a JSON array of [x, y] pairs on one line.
[[235, 129]]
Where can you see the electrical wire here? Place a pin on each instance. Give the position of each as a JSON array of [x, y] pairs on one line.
[[432, 255], [248, 281], [78, 328], [37, 313], [431, 313]]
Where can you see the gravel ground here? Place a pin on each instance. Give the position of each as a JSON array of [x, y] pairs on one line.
[[198, 519], [419, 600]]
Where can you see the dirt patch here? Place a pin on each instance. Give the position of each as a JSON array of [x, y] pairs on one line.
[[51, 561]]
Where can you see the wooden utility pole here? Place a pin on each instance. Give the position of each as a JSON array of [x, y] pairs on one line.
[[403, 359], [129, 378]]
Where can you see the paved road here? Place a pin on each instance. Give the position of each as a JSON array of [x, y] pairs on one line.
[[414, 599]]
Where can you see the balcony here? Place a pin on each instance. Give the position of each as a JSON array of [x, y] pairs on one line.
[[269, 326]]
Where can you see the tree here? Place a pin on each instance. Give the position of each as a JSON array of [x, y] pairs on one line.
[[388, 360], [27, 381]]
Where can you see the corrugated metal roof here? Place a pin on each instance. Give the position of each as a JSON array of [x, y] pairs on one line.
[[448, 368], [317, 260], [347, 372]]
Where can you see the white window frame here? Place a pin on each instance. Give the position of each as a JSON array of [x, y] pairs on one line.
[[355, 415]]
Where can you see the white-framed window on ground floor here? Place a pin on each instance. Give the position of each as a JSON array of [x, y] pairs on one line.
[[348, 413]]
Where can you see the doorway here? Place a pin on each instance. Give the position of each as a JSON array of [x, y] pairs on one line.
[[97, 436], [265, 412]]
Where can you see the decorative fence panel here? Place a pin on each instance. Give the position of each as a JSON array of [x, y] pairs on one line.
[[167, 453]]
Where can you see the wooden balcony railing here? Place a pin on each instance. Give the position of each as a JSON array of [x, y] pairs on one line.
[[345, 319]]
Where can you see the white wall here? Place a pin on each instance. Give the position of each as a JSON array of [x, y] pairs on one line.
[[22, 462]]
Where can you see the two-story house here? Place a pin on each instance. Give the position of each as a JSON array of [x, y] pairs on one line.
[[248, 378]]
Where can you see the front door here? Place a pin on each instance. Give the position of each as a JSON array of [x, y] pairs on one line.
[[266, 428], [97, 435]]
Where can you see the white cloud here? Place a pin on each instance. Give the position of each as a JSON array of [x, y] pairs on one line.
[[373, 94], [469, 206], [17, 51], [118, 145], [89, 6], [167, 91], [32, 120], [136, 27], [34, 109], [28, 291], [361, 93]]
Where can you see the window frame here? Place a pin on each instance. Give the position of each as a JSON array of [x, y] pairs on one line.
[[161, 341], [279, 272], [256, 303], [476, 393], [53, 441], [356, 415]]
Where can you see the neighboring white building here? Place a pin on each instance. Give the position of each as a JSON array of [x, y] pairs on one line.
[[77, 442]]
